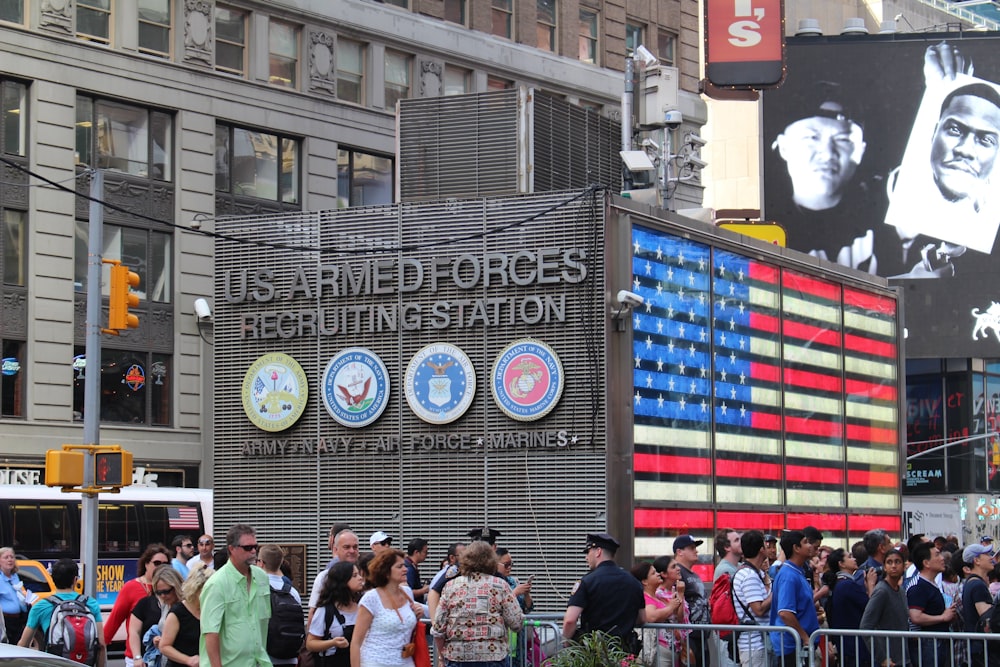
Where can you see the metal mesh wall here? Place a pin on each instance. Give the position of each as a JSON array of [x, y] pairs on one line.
[[503, 142], [543, 499]]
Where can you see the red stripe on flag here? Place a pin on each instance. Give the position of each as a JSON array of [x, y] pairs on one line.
[[682, 520], [872, 302], [747, 469], [830, 522], [810, 426], [764, 372], [862, 523], [885, 480], [869, 346], [763, 272], [799, 378], [814, 474], [810, 333], [881, 392], [769, 522], [765, 421], [675, 465], [820, 288], [885, 436], [762, 322]]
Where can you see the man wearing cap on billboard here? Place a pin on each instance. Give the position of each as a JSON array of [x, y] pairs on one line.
[[831, 213], [608, 598], [976, 599], [686, 555]]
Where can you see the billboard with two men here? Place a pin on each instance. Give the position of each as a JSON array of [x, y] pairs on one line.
[[879, 154]]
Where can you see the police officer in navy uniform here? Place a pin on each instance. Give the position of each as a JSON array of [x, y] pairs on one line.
[[608, 598]]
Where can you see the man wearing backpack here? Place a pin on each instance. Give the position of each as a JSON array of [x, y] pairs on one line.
[[730, 551], [976, 600], [285, 629], [66, 623]]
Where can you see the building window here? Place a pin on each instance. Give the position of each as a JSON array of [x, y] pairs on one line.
[[256, 164], [363, 179], [145, 251], [350, 71], [502, 18], [666, 47], [402, 4], [546, 25], [12, 11], [128, 139], [93, 20], [135, 386], [15, 117], [633, 37], [397, 78], [454, 11], [496, 83], [457, 81], [283, 40], [13, 237], [230, 40], [588, 36], [13, 368], [154, 27]]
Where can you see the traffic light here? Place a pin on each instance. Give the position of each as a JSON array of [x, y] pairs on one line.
[[113, 468], [122, 280], [63, 468]]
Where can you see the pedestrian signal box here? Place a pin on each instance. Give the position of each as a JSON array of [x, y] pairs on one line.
[[113, 468], [63, 468]]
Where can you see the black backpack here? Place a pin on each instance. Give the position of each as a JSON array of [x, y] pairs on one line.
[[286, 628]]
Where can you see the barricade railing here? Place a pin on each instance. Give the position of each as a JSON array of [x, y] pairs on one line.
[[866, 648], [541, 638]]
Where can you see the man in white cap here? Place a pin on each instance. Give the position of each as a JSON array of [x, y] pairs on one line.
[[379, 541], [976, 599]]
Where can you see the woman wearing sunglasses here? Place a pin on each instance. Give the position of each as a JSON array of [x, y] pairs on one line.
[[134, 590], [152, 609]]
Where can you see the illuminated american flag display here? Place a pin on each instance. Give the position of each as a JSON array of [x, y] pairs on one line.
[[761, 388]]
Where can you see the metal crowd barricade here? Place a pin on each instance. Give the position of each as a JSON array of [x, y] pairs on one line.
[[918, 648], [541, 638]]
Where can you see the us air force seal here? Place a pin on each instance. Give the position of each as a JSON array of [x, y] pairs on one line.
[[275, 392], [440, 383], [355, 387], [527, 380]]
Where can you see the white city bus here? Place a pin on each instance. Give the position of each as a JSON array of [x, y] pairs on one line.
[[43, 524]]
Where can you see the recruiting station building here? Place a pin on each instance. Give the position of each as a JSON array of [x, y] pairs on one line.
[[427, 369]]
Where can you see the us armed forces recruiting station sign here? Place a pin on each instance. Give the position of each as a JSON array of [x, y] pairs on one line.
[[881, 155]]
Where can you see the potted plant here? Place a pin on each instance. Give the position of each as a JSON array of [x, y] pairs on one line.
[[594, 649]]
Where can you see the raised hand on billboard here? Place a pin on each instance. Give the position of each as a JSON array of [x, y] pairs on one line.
[[943, 62]]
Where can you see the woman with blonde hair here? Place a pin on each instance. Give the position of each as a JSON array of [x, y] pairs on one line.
[[152, 609], [14, 597], [182, 627]]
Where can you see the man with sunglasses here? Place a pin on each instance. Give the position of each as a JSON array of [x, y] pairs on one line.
[[206, 554], [235, 606], [183, 552]]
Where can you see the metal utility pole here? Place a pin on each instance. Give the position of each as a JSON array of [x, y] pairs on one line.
[[92, 385]]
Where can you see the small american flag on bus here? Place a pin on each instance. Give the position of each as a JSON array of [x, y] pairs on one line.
[[182, 517]]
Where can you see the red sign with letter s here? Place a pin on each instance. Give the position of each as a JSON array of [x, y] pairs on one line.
[[744, 42]]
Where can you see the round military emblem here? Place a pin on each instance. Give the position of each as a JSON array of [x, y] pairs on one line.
[[355, 387], [440, 383], [527, 380], [275, 392]]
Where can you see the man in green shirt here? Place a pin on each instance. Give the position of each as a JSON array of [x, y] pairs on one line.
[[235, 607]]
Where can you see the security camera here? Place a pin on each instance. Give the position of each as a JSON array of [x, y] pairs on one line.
[[695, 162], [673, 119], [201, 309], [630, 299], [645, 57], [694, 140], [650, 144]]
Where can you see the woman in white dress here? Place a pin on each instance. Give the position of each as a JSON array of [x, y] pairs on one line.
[[387, 615]]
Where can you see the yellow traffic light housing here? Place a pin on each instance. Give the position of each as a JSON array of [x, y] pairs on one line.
[[122, 298], [63, 468]]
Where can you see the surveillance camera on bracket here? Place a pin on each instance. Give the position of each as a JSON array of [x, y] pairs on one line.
[[673, 119], [694, 140], [695, 162], [643, 55], [627, 299]]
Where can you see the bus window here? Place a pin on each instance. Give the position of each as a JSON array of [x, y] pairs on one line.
[[166, 521], [119, 528], [42, 528]]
